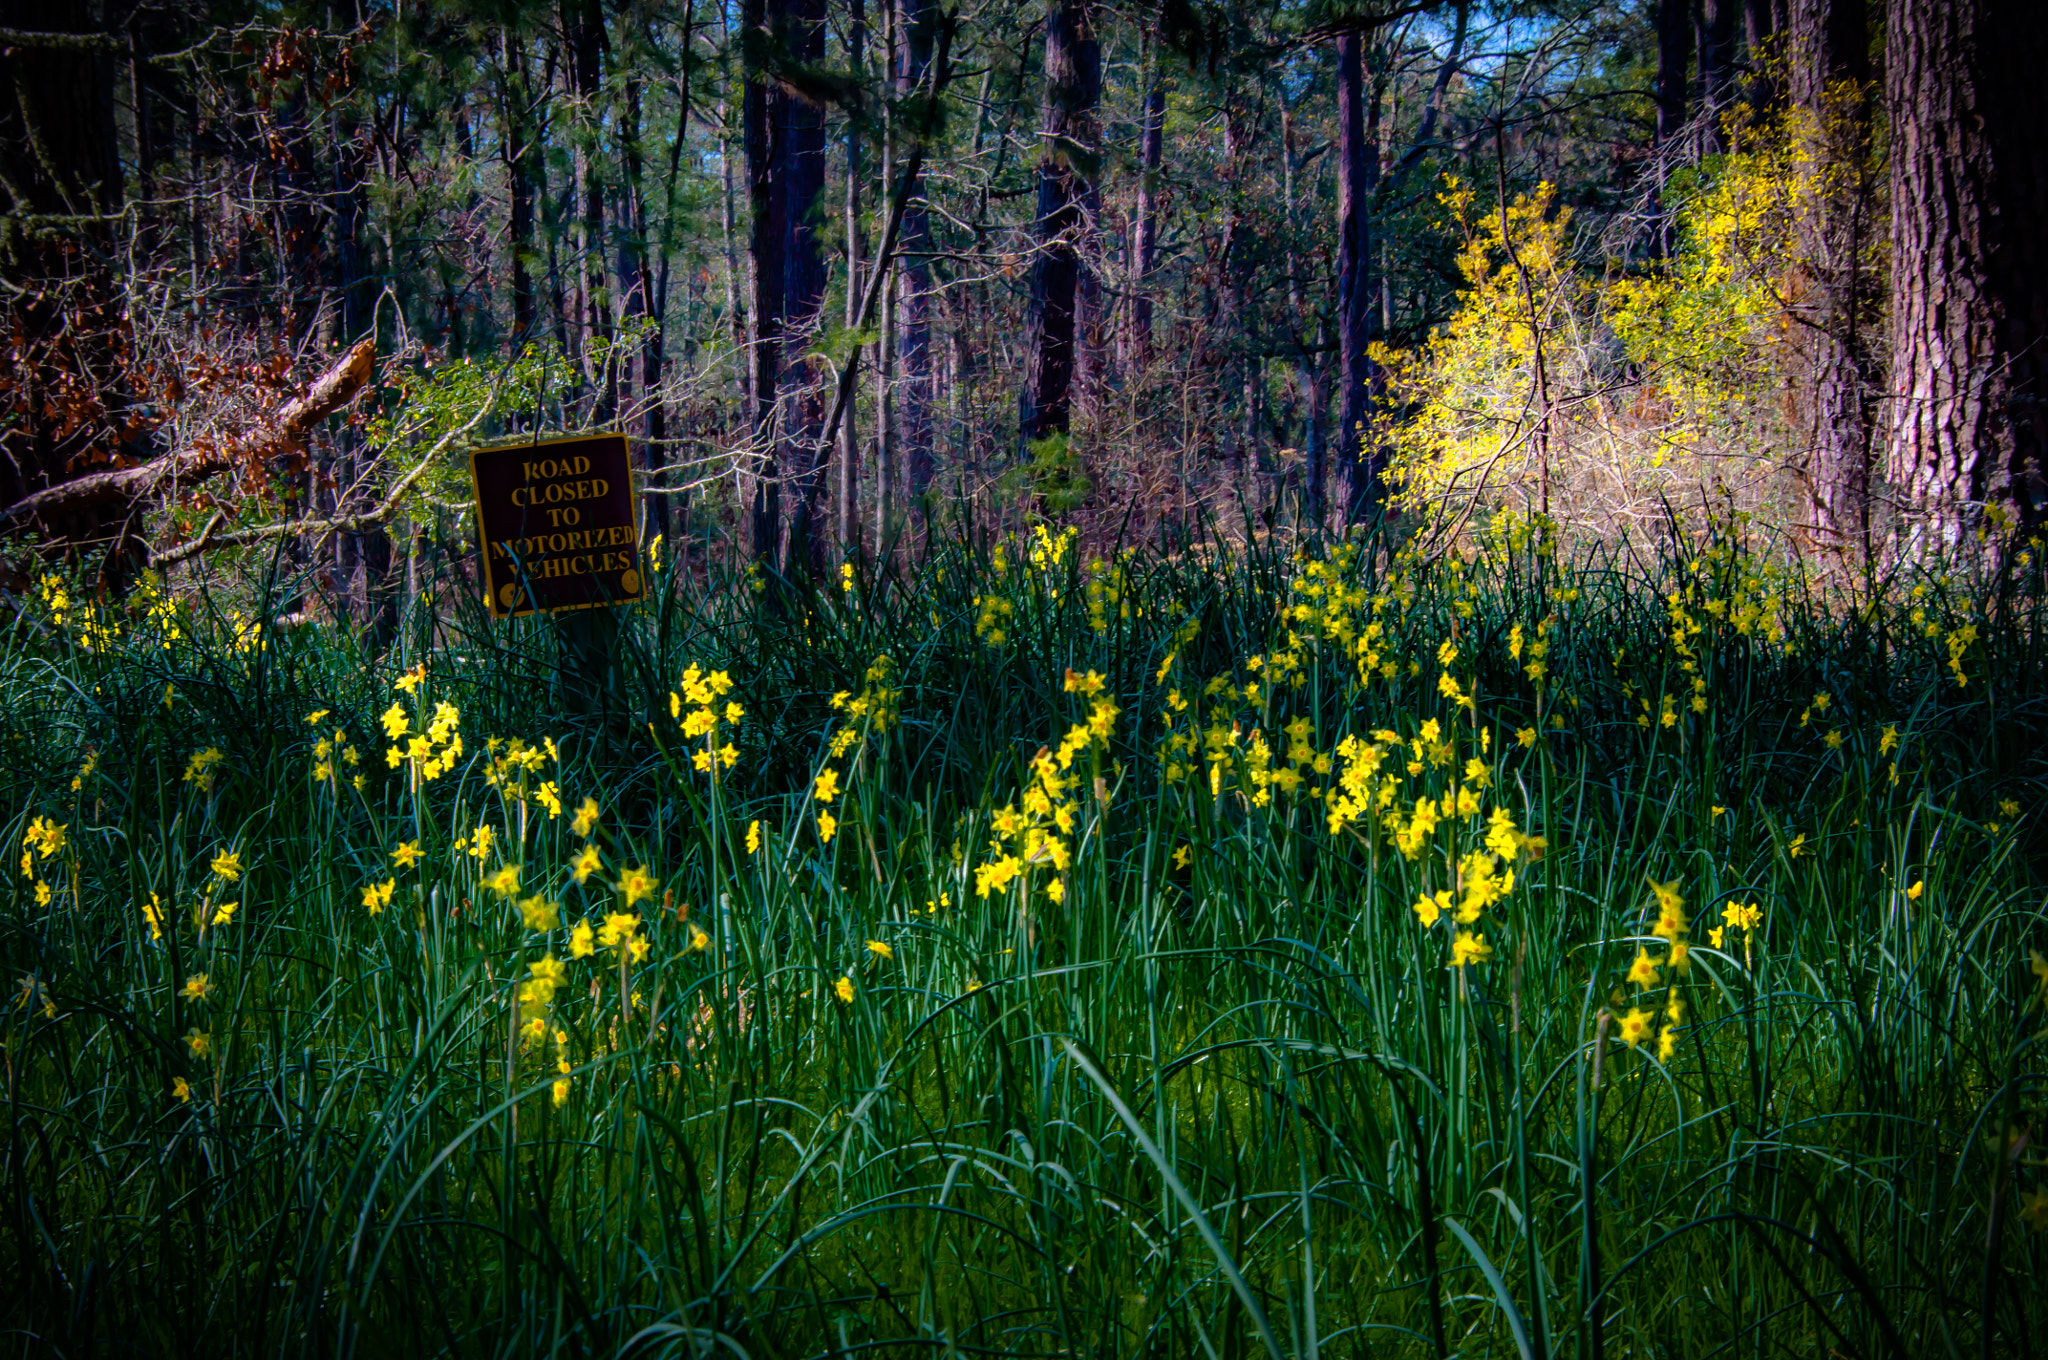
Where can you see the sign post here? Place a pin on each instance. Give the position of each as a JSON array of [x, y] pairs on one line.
[[555, 523]]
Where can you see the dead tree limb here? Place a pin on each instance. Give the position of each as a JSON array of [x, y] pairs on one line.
[[284, 435]]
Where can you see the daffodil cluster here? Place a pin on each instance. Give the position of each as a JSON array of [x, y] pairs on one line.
[[92, 628], [701, 691], [1038, 829], [332, 752], [511, 764], [432, 751], [876, 708], [200, 769], [1649, 974], [43, 841]]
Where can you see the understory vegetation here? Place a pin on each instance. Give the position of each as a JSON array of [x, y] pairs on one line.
[[1219, 952]]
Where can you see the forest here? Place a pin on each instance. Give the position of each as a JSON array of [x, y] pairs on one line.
[[1286, 680], [844, 276]]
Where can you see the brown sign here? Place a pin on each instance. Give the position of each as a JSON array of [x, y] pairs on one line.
[[556, 521]]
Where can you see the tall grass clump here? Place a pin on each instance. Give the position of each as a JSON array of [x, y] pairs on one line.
[[1216, 953]]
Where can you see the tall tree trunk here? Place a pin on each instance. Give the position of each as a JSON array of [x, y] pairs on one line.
[[1145, 212], [1830, 68], [1073, 83], [1969, 263], [645, 290], [1238, 137], [1306, 357], [764, 258], [800, 129], [1673, 90], [362, 558], [1763, 32], [583, 25], [1717, 72], [846, 515], [1674, 64], [914, 36], [885, 345], [1355, 162], [516, 146]]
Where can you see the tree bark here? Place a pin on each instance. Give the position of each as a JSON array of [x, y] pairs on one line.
[[1829, 70], [846, 515], [764, 258], [914, 30], [1717, 72], [516, 148], [1307, 357], [800, 130], [1066, 168], [1357, 451], [1969, 262], [1145, 214], [583, 27], [1763, 31]]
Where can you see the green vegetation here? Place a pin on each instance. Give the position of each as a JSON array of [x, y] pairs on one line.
[[1219, 953]]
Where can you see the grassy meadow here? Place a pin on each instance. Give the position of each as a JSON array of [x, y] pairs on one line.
[[1225, 953]]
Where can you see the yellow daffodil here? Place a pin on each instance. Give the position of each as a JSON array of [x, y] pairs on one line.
[[636, 884], [585, 820], [618, 929], [537, 913], [1468, 947]]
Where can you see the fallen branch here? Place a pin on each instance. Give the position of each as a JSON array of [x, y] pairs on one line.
[[287, 434], [382, 513]]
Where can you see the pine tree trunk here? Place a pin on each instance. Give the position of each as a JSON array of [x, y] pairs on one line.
[[583, 25], [1717, 72], [1763, 32], [845, 513], [914, 29], [800, 166], [764, 261], [1969, 261], [1357, 451], [1145, 215], [516, 148], [1829, 69], [1307, 361], [1073, 83]]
